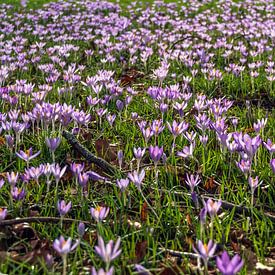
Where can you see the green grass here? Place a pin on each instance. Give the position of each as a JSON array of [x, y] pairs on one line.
[[143, 235]]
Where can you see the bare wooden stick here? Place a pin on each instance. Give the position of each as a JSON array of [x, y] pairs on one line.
[[40, 219], [178, 253], [103, 164]]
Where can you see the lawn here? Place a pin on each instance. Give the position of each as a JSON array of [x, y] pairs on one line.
[[137, 138]]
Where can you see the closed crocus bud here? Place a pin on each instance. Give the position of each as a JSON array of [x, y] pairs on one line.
[[53, 143], [203, 213], [81, 229], [119, 105], [9, 141], [272, 164], [120, 158]]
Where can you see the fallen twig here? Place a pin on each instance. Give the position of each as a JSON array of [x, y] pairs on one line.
[[103, 164], [178, 253], [40, 219]]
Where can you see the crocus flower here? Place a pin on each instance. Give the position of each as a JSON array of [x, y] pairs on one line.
[[64, 247], [272, 164], [254, 183], [83, 179], [155, 153], [122, 184], [81, 229], [141, 270], [187, 151], [58, 172], [139, 153], [229, 266], [213, 207], [95, 176], [205, 251], [269, 146], [12, 178], [3, 213], [244, 166], [18, 194], [99, 213], [28, 155], [120, 158], [202, 215], [109, 252], [192, 181], [76, 168], [137, 178], [177, 128], [53, 143], [101, 271], [63, 208]]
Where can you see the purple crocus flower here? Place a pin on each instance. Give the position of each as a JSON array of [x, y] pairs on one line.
[[95, 176], [244, 166], [120, 158], [269, 146], [253, 183], [53, 143], [83, 179], [155, 153], [12, 178], [76, 168], [202, 215], [109, 252], [192, 181], [101, 271], [177, 128], [81, 229], [28, 155], [137, 178], [213, 207], [122, 184], [99, 213], [64, 247], [3, 213], [58, 172], [63, 208], [272, 164], [139, 153], [18, 194], [187, 151], [205, 251], [229, 266]]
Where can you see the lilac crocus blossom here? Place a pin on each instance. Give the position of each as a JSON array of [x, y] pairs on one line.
[[155, 153], [18, 194], [28, 155], [99, 213], [192, 181], [108, 252], [205, 251], [137, 178], [12, 178], [122, 184], [187, 151], [64, 247], [63, 208], [213, 207], [229, 266], [272, 164], [53, 143], [101, 271]]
